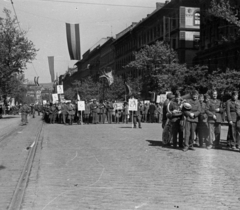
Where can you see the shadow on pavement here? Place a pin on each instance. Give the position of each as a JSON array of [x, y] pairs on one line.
[[2, 167], [125, 127], [155, 143]]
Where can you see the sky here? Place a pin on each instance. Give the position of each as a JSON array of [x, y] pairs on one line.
[[44, 21]]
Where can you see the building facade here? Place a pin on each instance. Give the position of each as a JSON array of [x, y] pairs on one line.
[[176, 22], [219, 48]]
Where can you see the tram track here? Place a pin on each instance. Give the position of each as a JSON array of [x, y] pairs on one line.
[[21, 186]]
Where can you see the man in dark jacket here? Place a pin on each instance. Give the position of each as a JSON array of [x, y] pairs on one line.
[[202, 129], [214, 110], [191, 120], [94, 111], [137, 116], [233, 116], [176, 120], [24, 110]]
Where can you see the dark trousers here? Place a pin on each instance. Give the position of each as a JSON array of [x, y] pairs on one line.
[[125, 118], [145, 117], [214, 133], [235, 134], [203, 133], [190, 129], [101, 118], [109, 116], [86, 118], [64, 117], [152, 117], [137, 119], [24, 118], [70, 118], [177, 131]]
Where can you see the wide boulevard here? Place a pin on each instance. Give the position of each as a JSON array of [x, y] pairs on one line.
[[114, 167]]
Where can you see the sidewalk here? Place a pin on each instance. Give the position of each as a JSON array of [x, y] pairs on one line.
[[14, 140]]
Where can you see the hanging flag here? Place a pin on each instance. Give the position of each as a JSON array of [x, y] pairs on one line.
[[78, 97], [153, 96], [37, 81], [51, 67], [73, 40], [108, 76], [71, 71], [128, 89]]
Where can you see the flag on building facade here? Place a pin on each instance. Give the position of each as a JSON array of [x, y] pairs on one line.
[[36, 81], [108, 76], [71, 71], [78, 97], [128, 89], [51, 67], [73, 40]]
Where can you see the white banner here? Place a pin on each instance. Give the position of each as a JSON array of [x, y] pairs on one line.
[[132, 104], [161, 98], [118, 106], [55, 97], [81, 105], [60, 89]]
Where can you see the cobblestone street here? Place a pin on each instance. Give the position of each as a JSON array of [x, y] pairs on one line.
[[117, 167]]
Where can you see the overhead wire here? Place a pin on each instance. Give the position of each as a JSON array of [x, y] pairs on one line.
[[99, 4]]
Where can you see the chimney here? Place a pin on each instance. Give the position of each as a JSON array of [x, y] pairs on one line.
[[166, 2], [159, 5]]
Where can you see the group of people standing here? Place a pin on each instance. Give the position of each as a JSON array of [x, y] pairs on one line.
[[99, 113], [196, 119]]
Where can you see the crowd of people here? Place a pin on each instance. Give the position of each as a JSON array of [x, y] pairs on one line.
[[100, 113], [192, 120], [196, 119]]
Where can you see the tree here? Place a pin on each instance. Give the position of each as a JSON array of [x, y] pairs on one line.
[[224, 10], [15, 51], [159, 64]]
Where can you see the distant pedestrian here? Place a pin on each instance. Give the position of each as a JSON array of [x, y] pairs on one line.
[[24, 110]]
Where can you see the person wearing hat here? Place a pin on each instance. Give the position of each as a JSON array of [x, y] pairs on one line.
[[64, 110], [170, 96], [202, 129], [94, 111], [110, 110], [125, 113], [87, 113], [191, 120], [176, 120], [137, 116], [233, 116], [24, 110], [214, 110], [71, 112]]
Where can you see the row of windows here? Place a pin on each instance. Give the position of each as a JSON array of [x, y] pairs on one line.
[[163, 28], [124, 61]]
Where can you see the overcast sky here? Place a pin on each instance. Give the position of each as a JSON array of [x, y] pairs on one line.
[[45, 22]]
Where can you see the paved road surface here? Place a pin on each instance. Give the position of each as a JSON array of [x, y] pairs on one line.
[[14, 140], [115, 167]]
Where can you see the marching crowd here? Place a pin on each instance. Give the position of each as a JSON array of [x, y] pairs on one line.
[[192, 120], [100, 113], [196, 119]]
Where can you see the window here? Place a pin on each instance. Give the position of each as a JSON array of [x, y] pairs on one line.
[[197, 18]]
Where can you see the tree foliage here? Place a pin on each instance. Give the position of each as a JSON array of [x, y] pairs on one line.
[[15, 51], [89, 89], [224, 10], [158, 62]]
